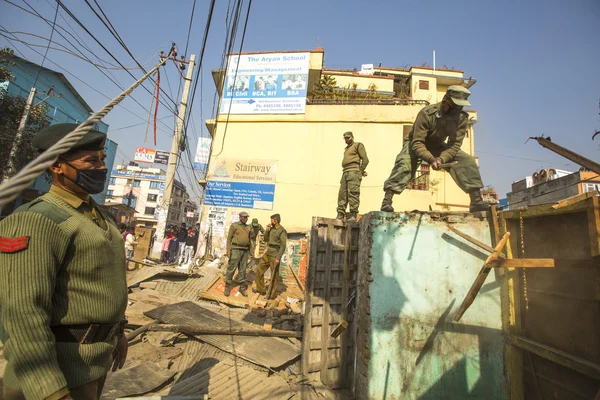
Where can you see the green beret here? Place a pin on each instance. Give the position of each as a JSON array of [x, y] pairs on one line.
[[46, 138], [347, 134]]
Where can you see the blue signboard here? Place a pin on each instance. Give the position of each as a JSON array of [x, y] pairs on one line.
[[270, 83], [258, 196], [137, 175]]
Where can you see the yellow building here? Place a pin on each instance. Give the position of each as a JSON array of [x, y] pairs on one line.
[[305, 149]]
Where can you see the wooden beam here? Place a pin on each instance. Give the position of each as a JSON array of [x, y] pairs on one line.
[[547, 209], [195, 330], [563, 358], [546, 263], [569, 154], [474, 241], [480, 279], [572, 200]]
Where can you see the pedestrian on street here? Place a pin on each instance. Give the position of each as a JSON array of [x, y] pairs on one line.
[[436, 137], [196, 237], [189, 246], [276, 238], [238, 249], [164, 255], [182, 234], [173, 245], [130, 242], [63, 290], [354, 166]]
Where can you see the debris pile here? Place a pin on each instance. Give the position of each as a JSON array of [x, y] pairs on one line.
[[188, 340]]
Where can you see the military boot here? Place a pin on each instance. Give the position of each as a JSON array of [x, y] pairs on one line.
[[477, 203], [243, 291], [227, 290], [340, 216], [387, 201], [351, 217]]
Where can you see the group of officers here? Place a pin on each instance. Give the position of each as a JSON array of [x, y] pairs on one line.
[[63, 289]]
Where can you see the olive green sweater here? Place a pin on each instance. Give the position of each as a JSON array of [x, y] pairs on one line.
[[72, 272], [277, 240], [355, 157]]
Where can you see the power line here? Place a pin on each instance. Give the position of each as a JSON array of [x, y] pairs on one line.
[[235, 77], [116, 35], [99, 69], [105, 49], [48, 47], [88, 85]]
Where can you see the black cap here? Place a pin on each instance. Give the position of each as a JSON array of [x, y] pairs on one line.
[[46, 138]]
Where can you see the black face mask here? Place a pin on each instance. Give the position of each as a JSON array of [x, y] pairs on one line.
[[90, 180]]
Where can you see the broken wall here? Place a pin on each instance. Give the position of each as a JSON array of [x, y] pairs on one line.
[[413, 275]]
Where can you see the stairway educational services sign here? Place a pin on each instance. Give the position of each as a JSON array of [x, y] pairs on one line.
[[240, 183], [270, 83]]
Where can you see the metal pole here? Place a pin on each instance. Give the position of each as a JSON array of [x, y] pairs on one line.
[[170, 178], [9, 169]]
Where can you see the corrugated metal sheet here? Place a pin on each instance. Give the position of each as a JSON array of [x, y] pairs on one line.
[[198, 356], [145, 273], [226, 381], [267, 351], [192, 287], [168, 287]]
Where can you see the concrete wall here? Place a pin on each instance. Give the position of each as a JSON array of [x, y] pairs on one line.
[[547, 192], [413, 275]]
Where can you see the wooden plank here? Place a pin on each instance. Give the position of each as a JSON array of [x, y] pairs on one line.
[[310, 279], [511, 323], [569, 154], [325, 325], [545, 263], [345, 296], [480, 279], [565, 359], [545, 209], [474, 241], [495, 226], [593, 214], [572, 200]]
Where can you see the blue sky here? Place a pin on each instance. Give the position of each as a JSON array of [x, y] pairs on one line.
[[536, 62]]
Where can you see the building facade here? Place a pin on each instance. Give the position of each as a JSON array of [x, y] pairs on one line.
[[65, 105], [549, 186], [141, 189], [303, 151]]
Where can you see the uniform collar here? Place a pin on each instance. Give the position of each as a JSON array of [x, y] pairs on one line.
[[68, 197]]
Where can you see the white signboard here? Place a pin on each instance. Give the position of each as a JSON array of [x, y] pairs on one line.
[[270, 83], [202, 154]]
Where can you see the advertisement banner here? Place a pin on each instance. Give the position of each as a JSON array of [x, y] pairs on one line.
[[135, 174], [159, 199], [258, 196], [202, 154], [144, 154], [216, 219], [270, 83], [239, 170], [161, 157]]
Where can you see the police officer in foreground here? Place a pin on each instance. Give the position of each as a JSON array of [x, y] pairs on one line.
[[436, 137], [238, 250], [276, 237], [63, 290], [354, 164]]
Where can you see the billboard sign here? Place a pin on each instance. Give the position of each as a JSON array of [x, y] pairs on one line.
[[269, 83], [152, 156], [202, 154]]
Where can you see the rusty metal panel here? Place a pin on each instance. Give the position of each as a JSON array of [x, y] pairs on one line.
[[329, 298], [559, 308], [226, 380], [266, 351]]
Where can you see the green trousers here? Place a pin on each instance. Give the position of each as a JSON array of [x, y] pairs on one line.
[[465, 173], [237, 261], [349, 193], [265, 263]]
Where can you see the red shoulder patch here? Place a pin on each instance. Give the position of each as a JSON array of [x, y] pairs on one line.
[[13, 245]]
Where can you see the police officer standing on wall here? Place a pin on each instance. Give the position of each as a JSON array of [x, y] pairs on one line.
[[63, 290], [276, 238], [436, 137], [354, 164], [238, 250]]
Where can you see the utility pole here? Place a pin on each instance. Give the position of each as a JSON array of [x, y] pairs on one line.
[[9, 169], [170, 178]]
